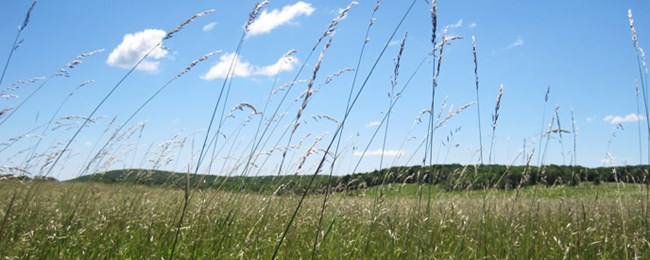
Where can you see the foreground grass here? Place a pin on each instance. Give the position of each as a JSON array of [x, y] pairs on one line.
[[88, 220]]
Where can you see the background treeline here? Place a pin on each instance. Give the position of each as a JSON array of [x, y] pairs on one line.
[[449, 176], [459, 177]]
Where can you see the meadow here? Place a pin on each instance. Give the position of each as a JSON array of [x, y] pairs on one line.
[[278, 178], [408, 221]]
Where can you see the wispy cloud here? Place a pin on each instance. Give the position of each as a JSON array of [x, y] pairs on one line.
[[471, 25], [135, 46], [244, 69], [268, 21], [378, 152], [209, 27], [394, 42], [518, 42], [458, 24], [372, 123], [623, 119]]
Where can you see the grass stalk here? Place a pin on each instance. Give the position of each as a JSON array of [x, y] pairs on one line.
[[495, 119], [478, 104], [428, 151], [574, 131], [541, 131], [643, 75], [16, 44]]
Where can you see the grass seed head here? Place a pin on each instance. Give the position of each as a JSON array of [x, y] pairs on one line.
[[88, 54], [397, 61], [317, 117], [635, 40], [452, 113], [180, 27], [495, 116], [197, 61], [26, 21], [8, 96], [331, 28], [434, 21], [243, 105], [311, 83], [337, 74], [474, 52], [253, 14], [548, 93], [5, 110], [421, 114], [87, 82]]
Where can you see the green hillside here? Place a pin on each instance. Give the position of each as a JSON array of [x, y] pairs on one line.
[[261, 184]]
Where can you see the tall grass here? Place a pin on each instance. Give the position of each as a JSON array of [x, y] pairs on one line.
[[17, 40], [336, 133], [643, 78], [338, 139], [541, 130], [117, 221], [643, 73], [638, 123], [478, 104], [495, 120], [428, 152], [62, 72]]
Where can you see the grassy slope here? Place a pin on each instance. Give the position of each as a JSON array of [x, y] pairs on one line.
[[263, 184]]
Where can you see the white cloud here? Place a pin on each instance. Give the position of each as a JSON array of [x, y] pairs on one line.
[[209, 27], [135, 46], [591, 119], [458, 24], [372, 123], [472, 25], [518, 42], [220, 70], [268, 21], [283, 64], [378, 152], [623, 119], [244, 69]]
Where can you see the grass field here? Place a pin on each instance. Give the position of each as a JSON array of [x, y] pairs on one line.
[[407, 221], [259, 160]]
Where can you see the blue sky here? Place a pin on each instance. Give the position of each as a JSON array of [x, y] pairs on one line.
[[581, 49]]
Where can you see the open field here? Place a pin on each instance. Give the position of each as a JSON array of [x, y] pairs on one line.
[[86, 220], [322, 129]]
